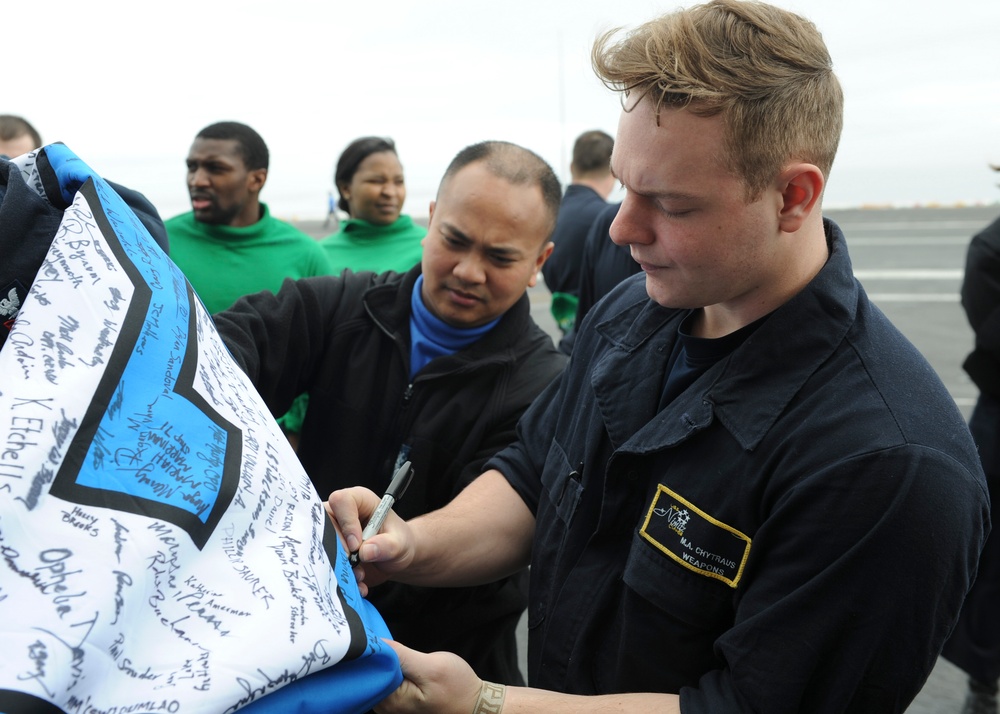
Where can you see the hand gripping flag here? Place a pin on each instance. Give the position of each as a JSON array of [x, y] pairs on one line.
[[161, 548]]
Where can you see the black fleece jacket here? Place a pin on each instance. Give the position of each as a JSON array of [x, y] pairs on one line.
[[345, 341]]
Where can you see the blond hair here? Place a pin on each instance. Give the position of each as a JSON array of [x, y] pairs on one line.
[[765, 70]]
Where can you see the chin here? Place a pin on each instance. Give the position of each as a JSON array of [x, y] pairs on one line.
[[663, 296], [464, 320], [206, 217]]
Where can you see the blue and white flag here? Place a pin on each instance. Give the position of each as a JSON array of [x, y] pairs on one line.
[[161, 547]]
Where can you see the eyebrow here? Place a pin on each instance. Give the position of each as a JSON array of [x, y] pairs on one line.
[[212, 159], [380, 174], [665, 195], [504, 251], [495, 249], [455, 232]]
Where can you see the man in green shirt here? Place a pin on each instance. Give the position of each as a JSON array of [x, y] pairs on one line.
[[229, 244]]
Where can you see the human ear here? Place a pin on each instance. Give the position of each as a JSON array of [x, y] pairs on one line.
[[257, 178], [543, 255], [801, 186]]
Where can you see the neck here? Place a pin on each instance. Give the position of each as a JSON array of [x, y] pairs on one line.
[[602, 185], [800, 257], [251, 213]]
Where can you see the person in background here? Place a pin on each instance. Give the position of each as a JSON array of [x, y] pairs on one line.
[[377, 236], [604, 265], [434, 366], [17, 136], [28, 221], [331, 211], [584, 199], [748, 492], [974, 646], [229, 244]]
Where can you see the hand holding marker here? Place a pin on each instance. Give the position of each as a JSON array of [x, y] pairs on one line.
[[400, 480]]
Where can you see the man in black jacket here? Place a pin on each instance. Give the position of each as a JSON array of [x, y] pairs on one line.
[[975, 644], [584, 200], [434, 366]]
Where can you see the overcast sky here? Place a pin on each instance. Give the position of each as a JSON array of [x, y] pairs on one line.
[[127, 85]]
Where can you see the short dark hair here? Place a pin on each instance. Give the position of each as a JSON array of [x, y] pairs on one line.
[[251, 146], [592, 153], [351, 157], [512, 163], [13, 126]]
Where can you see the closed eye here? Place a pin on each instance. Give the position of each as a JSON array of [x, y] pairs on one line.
[[502, 259]]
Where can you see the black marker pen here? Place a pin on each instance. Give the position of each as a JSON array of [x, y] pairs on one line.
[[400, 480]]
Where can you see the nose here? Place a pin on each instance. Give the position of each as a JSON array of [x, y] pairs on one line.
[[198, 177], [469, 270], [629, 225], [390, 188]]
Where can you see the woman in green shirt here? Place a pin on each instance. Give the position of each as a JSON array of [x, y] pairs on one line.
[[377, 236]]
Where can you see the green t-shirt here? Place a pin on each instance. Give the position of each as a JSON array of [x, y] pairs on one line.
[[360, 245], [224, 263]]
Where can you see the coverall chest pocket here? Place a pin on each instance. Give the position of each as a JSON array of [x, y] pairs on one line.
[[678, 593], [667, 620], [687, 559]]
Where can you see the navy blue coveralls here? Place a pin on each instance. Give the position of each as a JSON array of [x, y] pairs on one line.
[[795, 532]]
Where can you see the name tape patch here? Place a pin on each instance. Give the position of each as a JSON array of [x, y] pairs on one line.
[[695, 539]]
